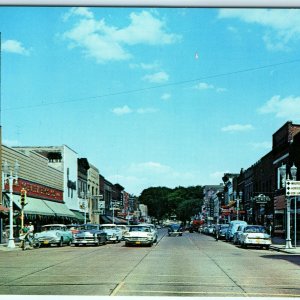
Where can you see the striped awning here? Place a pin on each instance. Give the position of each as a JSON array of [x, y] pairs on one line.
[[60, 209], [37, 207]]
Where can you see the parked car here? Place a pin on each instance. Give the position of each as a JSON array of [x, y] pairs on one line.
[[113, 233], [139, 235], [209, 229], [237, 234], [233, 226], [222, 228], [153, 227], [123, 228], [175, 230], [74, 228], [89, 234], [255, 235], [57, 234]]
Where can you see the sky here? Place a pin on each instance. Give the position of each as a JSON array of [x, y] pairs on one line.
[[150, 96]]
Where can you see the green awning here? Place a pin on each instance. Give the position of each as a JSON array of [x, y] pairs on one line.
[[60, 209], [37, 207], [79, 216]]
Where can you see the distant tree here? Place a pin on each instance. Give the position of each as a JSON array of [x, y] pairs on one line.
[[164, 202]]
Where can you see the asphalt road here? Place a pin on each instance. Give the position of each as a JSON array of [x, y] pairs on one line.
[[191, 265]]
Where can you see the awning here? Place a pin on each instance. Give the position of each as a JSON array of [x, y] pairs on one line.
[[79, 216], [37, 207], [60, 209]]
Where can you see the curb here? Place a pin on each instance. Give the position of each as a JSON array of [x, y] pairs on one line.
[[289, 251]]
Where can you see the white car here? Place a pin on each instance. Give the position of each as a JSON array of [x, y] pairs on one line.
[[237, 235], [255, 235], [153, 227], [57, 234], [124, 229], [139, 235], [113, 233]]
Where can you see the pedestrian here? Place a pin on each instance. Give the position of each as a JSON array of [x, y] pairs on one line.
[[24, 236], [217, 233], [31, 227]]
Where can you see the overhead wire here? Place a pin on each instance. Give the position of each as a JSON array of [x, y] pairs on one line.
[[125, 92]]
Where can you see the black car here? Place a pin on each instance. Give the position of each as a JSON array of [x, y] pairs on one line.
[[175, 230], [89, 234]]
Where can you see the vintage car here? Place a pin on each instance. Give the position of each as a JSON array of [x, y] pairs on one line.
[[89, 234], [113, 233], [139, 235], [175, 230], [123, 228], [255, 235], [222, 230], [57, 234], [237, 235], [153, 227]]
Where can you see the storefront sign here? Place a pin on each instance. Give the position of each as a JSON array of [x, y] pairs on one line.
[[36, 190]]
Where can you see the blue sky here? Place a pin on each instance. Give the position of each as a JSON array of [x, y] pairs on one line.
[[151, 96]]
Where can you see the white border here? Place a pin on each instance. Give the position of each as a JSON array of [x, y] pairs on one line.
[[158, 3]]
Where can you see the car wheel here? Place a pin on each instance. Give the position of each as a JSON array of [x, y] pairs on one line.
[[127, 244], [268, 247]]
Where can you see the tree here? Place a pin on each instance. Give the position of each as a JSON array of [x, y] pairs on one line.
[[164, 202]]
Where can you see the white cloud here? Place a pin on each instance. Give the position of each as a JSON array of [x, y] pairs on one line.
[[207, 86], [145, 66], [78, 11], [165, 96], [286, 108], [14, 46], [203, 86], [11, 143], [139, 176], [262, 145], [158, 77], [150, 166], [122, 110], [237, 127], [282, 25], [105, 42]]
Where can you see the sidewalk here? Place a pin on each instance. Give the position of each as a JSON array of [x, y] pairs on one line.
[[279, 245], [3, 247]]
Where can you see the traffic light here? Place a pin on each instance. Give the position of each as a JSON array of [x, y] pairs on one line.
[[23, 197]]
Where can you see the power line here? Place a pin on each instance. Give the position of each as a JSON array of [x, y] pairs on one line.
[[156, 86]]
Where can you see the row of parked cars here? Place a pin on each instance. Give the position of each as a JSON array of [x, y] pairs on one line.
[[96, 234], [241, 233]]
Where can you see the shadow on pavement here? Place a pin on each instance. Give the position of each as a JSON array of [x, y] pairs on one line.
[[295, 259]]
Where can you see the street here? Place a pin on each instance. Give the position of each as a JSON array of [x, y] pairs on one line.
[[191, 265]]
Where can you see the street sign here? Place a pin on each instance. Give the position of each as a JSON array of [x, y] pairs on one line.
[[101, 204], [292, 188]]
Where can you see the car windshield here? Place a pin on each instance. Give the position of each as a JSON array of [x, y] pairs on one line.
[[88, 227], [46, 228], [255, 229], [175, 226], [108, 227], [139, 228]]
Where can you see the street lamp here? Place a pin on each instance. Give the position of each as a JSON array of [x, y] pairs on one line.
[[294, 177], [85, 196], [285, 176], [12, 179], [238, 203]]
